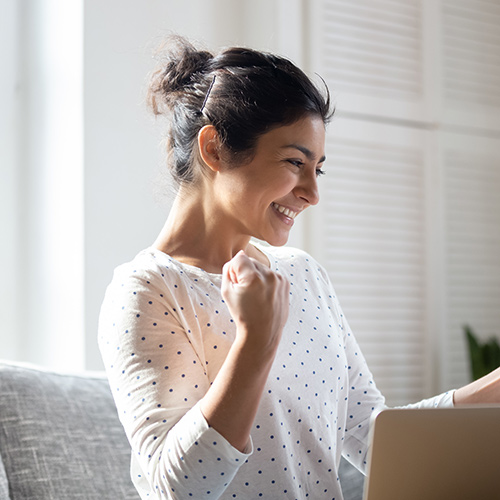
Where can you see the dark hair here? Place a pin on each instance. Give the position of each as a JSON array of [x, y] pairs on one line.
[[243, 93]]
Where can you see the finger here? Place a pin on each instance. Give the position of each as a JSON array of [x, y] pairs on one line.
[[226, 273], [241, 268]]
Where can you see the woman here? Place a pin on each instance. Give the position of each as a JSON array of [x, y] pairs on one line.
[[234, 371]]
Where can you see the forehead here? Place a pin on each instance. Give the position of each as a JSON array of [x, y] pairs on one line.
[[306, 135]]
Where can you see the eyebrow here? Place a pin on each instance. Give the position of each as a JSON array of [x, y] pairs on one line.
[[307, 152]]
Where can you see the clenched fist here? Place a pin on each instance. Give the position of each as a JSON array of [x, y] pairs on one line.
[[257, 298]]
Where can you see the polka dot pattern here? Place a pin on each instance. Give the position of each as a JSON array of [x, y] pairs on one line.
[[164, 333]]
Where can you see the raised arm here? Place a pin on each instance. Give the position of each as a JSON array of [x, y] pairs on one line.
[[189, 431], [258, 301]]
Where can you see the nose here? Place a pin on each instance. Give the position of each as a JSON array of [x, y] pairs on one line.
[[307, 188]]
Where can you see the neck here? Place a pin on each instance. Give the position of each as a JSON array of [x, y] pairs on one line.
[[194, 234]]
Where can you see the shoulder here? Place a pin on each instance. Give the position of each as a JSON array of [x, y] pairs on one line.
[[149, 285], [149, 265], [150, 272], [290, 256]]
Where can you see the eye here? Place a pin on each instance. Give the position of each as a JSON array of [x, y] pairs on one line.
[[296, 163], [300, 164]]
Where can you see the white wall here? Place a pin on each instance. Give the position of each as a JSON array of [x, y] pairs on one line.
[[9, 196], [42, 197]]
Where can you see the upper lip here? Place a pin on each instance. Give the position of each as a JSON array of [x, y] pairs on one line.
[[289, 212]]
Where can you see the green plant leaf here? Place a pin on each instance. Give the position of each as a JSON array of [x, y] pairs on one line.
[[484, 356]]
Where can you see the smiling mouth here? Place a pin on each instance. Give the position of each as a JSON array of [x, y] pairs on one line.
[[285, 211]]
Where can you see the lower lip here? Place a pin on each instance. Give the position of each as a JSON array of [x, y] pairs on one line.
[[284, 218]]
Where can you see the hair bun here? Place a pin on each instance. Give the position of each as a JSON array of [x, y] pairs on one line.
[[180, 67]]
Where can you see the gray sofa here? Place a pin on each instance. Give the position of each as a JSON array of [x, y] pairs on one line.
[[60, 439]]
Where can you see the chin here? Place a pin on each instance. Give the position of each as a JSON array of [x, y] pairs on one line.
[[277, 240]]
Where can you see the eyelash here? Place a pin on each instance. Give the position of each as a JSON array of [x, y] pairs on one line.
[[300, 164]]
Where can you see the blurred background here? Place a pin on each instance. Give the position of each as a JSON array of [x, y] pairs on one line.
[[409, 222]]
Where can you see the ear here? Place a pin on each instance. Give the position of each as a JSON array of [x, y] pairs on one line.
[[209, 146]]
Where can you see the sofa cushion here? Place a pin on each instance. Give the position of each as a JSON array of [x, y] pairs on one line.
[[351, 480], [4, 484], [60, 437]]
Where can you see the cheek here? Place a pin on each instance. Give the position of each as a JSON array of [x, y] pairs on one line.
[[261, 188], [282, 185]]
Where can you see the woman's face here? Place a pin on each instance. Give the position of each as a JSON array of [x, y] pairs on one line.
[[262, 198]]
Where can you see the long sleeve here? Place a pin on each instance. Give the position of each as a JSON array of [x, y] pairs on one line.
[[158, 373], [364, 400]]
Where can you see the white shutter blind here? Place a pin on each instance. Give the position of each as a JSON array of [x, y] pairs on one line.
[[371, 53], [370, 227], [472, 187], [411, 264], [471, 62]]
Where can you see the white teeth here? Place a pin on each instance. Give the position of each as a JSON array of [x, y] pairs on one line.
[[285, 211]]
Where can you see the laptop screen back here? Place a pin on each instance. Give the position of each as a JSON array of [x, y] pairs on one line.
[[435, 454]]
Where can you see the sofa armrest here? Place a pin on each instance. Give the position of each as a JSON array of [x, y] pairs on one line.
[[60, 437]]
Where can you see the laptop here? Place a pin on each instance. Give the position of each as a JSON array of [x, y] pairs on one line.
[[435, 454]]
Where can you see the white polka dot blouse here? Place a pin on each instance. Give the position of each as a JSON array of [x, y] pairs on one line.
[[164, 332]]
